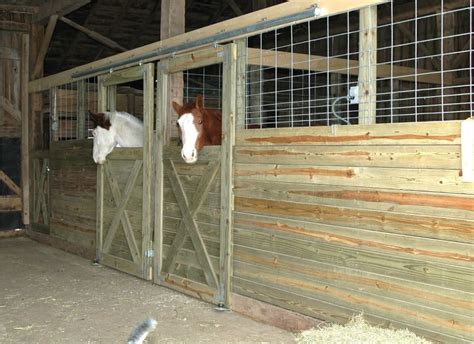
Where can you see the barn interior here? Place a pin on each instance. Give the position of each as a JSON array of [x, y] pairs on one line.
[[343, 184]]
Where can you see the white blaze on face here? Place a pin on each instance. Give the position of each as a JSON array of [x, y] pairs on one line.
[[189, 136], [104, 143]]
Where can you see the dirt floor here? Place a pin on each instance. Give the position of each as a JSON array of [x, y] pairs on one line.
[[49, 296]]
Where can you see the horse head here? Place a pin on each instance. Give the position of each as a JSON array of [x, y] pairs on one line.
[[104, 137], [191, 128]]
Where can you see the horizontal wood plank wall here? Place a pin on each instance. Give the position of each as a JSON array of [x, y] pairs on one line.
[[367, 219], [73, 180]]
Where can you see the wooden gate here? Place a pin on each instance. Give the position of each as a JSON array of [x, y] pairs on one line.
[[124, 186], [40, 188], [193, 224]]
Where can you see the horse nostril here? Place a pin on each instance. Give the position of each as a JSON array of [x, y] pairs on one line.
[[193, 154]]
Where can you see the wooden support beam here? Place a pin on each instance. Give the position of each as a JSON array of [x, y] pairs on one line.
[[329, 7], [234, 7], [70, 50], [367, 64], [10, 183], [10, 203], [173, 24], [8, 106], [94, 35], [25, 131], [44, 46], [58, 7]]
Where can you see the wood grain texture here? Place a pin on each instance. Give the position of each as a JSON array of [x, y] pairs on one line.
[[332, 221]]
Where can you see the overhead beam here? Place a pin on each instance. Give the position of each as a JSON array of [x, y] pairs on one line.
[[70, 50], [94, 35], [58, 7], [149, 52], [234, 7], [44, 46]]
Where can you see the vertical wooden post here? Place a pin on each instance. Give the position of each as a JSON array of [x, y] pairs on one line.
[[229, 95], [111, 100], [241, 83], [367, 65], [172, 24], [101, 107], [81, 109], [25, 141], [148, 117], [160, 136]]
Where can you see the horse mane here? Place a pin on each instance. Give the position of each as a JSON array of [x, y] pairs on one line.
[[115, 117]]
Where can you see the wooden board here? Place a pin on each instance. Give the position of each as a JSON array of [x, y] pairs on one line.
[[373, 219]]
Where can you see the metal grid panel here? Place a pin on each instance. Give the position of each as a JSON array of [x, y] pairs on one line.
[[205, 81], [66, 102], [419, 65]]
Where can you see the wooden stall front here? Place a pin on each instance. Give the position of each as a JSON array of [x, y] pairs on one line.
[[372, 219]]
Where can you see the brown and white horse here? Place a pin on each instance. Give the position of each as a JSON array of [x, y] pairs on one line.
[[198, 127]]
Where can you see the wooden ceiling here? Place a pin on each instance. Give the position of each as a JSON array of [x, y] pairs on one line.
[[130, 23]]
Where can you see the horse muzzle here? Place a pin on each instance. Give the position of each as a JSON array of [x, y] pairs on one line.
[[189, 157]]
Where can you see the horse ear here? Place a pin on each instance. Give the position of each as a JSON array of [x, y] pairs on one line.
[[100, 120], [176, 107], [198, 101]]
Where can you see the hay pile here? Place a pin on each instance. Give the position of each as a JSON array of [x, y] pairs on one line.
[[357, 331]]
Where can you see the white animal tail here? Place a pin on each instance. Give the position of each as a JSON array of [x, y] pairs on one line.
[[141, 331]]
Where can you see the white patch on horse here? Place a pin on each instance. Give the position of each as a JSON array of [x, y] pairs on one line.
[[189, 135], [125, 131]]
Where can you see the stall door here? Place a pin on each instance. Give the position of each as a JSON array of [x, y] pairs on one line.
[[124, 186]]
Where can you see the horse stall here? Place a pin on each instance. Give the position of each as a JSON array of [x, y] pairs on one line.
[[342, 185]]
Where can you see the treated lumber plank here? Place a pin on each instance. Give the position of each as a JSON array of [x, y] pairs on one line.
[[382, 306], [430, 133], [322, 310], [367, 82], [432, 204], [121, 264], [424, 226], [429, 180], [403, 245], [406, 267], [408, 156], [437, 297]]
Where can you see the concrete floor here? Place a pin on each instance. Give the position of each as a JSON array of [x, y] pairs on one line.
[[49, 296]]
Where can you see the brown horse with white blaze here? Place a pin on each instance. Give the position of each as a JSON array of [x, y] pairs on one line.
[[198, 127]]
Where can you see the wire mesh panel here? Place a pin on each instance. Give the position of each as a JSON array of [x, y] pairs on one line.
[[205, 81], [398, 62], [69, 104]]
